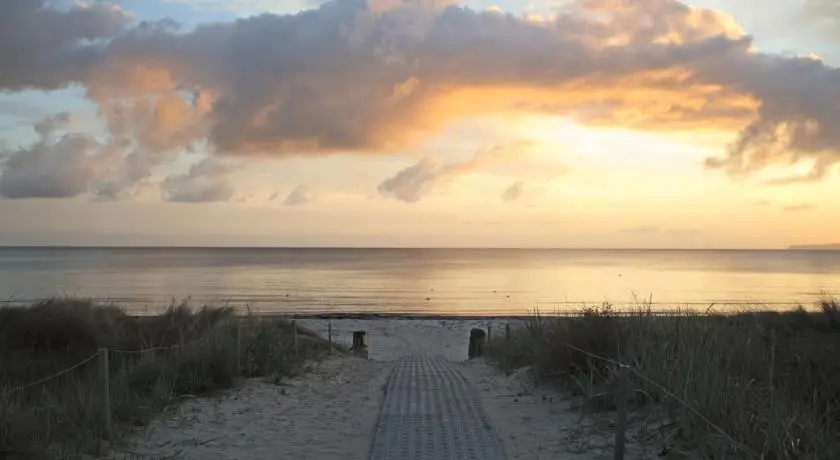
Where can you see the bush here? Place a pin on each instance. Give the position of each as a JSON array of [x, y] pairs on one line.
[[769, 380], [186, 353]]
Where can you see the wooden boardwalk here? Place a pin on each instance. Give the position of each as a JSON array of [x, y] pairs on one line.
[[431, 412]]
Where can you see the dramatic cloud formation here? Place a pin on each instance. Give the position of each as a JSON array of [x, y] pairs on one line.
[[384, 75], [514, 192], [61, 165], [44, 47], [299, 196], [413, 183], [206, 181]]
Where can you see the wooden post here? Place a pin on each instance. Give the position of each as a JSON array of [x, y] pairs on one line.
[[105, 392], [295, 336], [621, 405], [476, 347], [329, 337], [238, 349], [359, 342]]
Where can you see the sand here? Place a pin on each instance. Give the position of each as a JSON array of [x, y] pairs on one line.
[[391, 338], [541, 423], [330, 412]]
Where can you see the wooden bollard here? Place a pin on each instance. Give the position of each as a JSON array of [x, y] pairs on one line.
[[359, 342], [477, 338]]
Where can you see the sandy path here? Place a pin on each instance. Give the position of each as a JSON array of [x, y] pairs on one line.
[[538, 423], [392, 338], [329, 413]]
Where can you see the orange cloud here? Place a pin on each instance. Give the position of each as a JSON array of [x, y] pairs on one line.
[[384, 75]]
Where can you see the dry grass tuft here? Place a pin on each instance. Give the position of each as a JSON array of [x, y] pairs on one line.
[[769, 380], [197, 354]]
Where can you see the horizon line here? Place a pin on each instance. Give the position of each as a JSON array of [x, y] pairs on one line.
[[805, 247]]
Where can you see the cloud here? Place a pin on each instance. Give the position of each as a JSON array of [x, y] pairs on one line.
[[356, 77], [414, 182], [62, 164], [642, 230], [818, 170], [299, 196], [514, 192], [58, 165], [800, 207], [239, 6], [47, 47], [21, 110], [206, 181], [825, 14]]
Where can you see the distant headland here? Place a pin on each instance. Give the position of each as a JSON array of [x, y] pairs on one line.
[[815, 247]]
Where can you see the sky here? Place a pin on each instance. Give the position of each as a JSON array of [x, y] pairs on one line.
[[492, 123]]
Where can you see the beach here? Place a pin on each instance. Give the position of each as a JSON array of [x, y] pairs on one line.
[[330, 411]]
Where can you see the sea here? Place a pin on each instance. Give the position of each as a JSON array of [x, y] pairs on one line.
[[468, 282]]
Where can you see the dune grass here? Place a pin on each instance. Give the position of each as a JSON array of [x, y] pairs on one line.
[[188, 353], [769, 382]]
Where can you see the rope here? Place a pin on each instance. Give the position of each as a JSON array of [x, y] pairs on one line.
[[592, 355], [47, 379], [695, 412], [146, 350], [91, 357], [667, 392]]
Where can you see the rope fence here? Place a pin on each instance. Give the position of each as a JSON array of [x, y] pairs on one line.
[[104, 371], [51, 377], [623, 396]]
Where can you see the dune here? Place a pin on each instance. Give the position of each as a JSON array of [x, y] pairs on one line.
[[330, 411]]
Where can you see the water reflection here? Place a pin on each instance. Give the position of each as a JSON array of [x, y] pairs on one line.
[[417, 280]]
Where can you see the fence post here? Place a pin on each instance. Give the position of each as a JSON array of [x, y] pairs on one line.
[[105, 392], [329, 337], [295, 336], [621, 405], [238, 349]]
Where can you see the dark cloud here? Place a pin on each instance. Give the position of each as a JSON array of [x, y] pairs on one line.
[[514, 192], [206, 181], [414, 182], [61, 164], [299, 196], [58, 165], [353, 76], [46, 47]]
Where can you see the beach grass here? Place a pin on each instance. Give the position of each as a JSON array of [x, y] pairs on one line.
[[750, 384], [154, 362]]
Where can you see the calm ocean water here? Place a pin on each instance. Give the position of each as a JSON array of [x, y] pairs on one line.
[[441, 281]]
